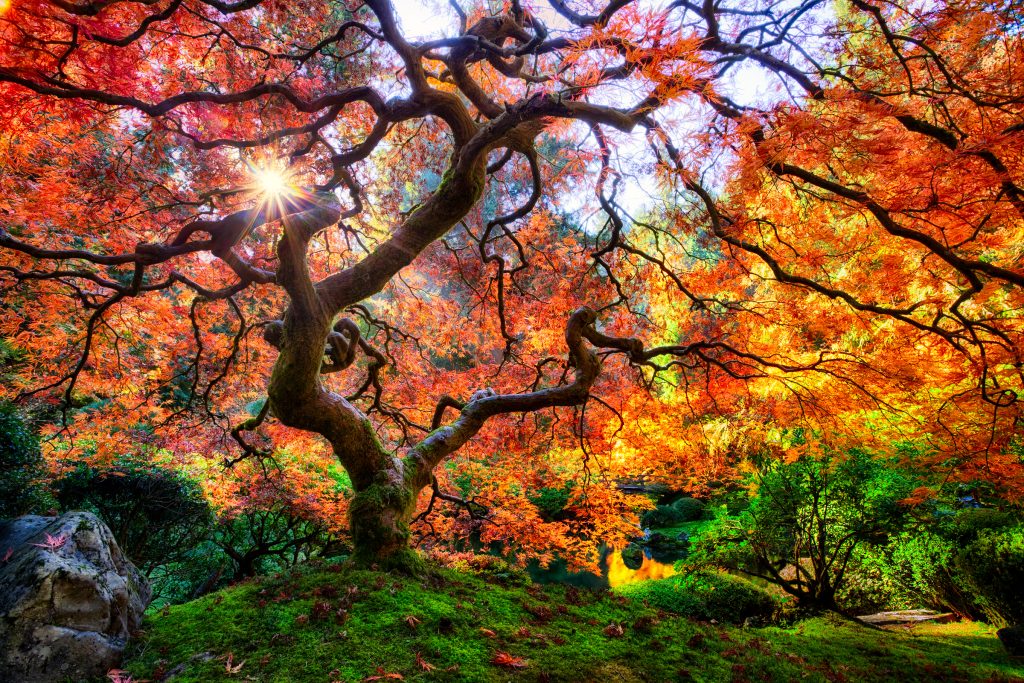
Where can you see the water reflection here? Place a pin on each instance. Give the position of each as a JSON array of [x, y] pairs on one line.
[[618, 574], [614, 571]]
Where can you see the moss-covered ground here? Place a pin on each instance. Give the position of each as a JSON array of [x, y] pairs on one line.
[[335, 623]]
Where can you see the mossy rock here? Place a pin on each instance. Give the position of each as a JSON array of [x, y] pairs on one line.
[[633, 556]]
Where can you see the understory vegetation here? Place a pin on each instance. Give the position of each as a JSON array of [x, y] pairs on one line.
[[840, 533], [162, 519]]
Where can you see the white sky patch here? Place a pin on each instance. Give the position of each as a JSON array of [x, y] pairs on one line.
[[426, 19]]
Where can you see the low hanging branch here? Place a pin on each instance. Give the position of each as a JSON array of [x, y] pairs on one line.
[[894, 193]]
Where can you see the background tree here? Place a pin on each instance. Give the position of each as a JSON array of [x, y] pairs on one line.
[[163, 520], [806, 521], [157, 516], [22, 468], [421, 228]]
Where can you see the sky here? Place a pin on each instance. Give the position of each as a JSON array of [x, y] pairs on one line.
[[746, 84], [424, 19]]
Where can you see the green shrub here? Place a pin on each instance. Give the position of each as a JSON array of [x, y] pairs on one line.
[[155, 514], [21, 466], [871, 586], [689, 509], [922, 564], [551, 501], [993, 571], [682, 510], [971, 563], [704, 595], [965, 526], [160, 519]]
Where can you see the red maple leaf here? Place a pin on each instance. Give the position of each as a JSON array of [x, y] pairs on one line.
[[53, 542], [505, 659], [383, 675], [424, 664]]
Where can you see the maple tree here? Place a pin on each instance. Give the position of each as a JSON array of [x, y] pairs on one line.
[[561, 237]]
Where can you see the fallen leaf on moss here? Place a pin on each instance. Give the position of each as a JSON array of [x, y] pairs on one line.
[[508, 661], [614, 630], [424, 664]]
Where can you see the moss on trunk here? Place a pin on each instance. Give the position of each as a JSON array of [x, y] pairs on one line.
[[380, 516]]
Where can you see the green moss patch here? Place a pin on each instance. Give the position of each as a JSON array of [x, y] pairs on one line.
[[343, 624]]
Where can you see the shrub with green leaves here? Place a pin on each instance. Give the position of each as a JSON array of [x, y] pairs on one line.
[[159, 517], [679, 512], [970, 562], [551, 501], [993, 569], [704, 595], [21, 466], [806, 520], [871, 585], [154, 513]]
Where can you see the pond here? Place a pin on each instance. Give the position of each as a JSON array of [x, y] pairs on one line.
[[614, 571]]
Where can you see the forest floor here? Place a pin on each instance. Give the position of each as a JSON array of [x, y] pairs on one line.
[[333, 623]]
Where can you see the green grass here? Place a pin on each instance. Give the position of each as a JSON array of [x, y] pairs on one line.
[[706, 596], [693, 529], [462, 621]]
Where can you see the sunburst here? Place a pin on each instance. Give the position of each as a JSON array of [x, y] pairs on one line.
[[271, 182], [276, 186]]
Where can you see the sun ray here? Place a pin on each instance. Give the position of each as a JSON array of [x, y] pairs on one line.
[[272, 182]]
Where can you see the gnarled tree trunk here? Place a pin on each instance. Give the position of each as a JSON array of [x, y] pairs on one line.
[[379, 517], [312, 343]]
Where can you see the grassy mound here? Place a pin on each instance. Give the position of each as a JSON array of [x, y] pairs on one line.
[[341, 624], [704, 596]]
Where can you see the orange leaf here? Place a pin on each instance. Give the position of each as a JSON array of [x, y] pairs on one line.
[[424, 664], [505, 659]]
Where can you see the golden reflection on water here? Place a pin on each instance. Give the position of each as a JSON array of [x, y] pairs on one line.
[[619, 574]]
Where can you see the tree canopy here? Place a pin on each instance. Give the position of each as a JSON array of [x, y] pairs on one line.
[[538, 244]]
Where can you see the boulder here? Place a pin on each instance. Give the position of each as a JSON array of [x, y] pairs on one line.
[[1012, 638], [664, 548], [633, 556], [70, 598]]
